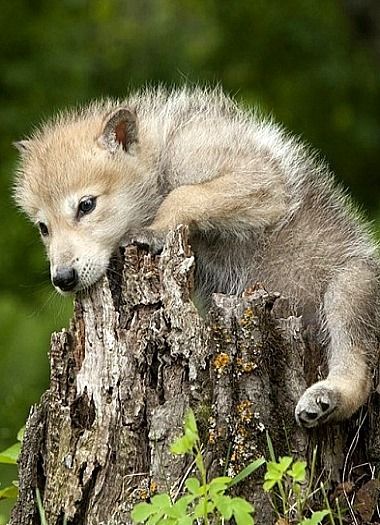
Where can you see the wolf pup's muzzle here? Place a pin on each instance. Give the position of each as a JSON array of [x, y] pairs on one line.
[[65, 278]]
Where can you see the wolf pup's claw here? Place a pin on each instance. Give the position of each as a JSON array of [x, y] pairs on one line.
[[317, 405], [154, 241]]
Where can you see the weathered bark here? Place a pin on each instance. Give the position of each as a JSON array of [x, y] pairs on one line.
[[136, 356]]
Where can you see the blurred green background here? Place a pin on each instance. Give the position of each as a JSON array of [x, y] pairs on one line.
[[313, 64]]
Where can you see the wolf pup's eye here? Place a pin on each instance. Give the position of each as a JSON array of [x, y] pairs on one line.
[[86, 205], [43, 229]]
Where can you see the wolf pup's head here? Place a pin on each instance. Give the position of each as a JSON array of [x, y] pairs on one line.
[[84, 183]]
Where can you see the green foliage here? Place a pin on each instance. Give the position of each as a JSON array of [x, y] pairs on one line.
[[294, 489], [207, 501], [188, 442], [10, 456], [247, 471], [9, 492], [288, 476], [202, 499], [316, 518], [41, 510], [277, 471]]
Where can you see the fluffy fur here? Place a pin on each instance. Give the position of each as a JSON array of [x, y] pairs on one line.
[[260, 206]]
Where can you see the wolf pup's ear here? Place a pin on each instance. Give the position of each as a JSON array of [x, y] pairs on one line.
[[22, 146], [120, 129]]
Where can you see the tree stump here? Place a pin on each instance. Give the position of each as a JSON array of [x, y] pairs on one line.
[[136, 356]]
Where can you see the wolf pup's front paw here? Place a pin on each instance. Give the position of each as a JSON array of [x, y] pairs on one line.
[[153, 240], [317, 405]]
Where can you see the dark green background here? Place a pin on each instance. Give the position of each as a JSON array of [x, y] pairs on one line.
[[312, 64]]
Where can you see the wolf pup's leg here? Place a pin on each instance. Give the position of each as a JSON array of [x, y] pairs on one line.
[[231, 201], [350, 311]]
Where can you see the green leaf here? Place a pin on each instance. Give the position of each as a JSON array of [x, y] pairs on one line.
[[316, 518], [9, 492], [192, 485], [185, 520], [243, 518], [179, 508], [200, 508], [272, 475], [247, 471], [275, 471], [270, 447], [142, 511], [161, 501], [284, 463], [186, 443], [40, 507], [11, 454], [199, 462], [190, 422], [20, 434], [218, 485], [210, 507], [182, 445], [224, 506], [155, 518], [242, 505], [268, 485], [191, 436], [221, 480], [298, 471]]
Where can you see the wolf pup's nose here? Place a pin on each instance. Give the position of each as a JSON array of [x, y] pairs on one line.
[[65, 278]]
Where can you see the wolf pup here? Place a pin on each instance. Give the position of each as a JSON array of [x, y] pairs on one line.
[[260, 207]]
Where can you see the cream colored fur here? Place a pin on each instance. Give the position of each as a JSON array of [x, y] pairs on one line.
[[260, 207]]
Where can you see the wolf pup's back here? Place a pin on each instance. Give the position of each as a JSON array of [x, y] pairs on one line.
[[259, 205]]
